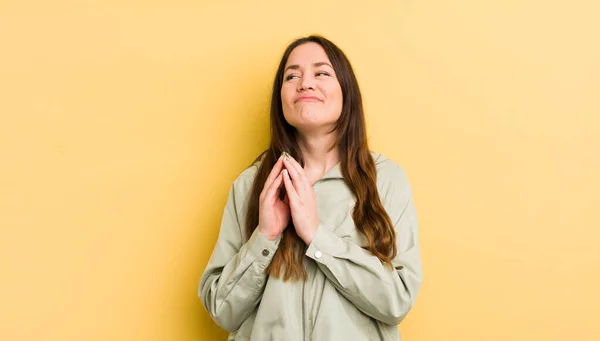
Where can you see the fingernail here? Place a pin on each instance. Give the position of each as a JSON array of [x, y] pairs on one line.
[[286, 155]]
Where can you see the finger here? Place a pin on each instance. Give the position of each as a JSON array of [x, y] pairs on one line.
[[292, 194], [292, 171], [274, 172], [292, 164], [274, 188], [295, 178]]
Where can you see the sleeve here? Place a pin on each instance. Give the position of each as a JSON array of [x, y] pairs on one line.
[[379, 291], [234, 279]]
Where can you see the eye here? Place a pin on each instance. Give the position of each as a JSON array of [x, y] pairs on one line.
[[290, 76], [323, 73]]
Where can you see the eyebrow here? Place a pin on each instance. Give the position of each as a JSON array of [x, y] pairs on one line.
[[296, 67]]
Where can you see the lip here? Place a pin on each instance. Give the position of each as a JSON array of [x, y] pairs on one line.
[[308, 99]]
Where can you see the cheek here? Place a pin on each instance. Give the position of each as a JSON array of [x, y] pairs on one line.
[[287, 94], [286, 103], [340, 99], [336, 98]]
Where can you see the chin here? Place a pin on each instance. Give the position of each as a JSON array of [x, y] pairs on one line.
[[309, 121], [313, 126]]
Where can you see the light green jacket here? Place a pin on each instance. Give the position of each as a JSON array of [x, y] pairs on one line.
[[349, 294]]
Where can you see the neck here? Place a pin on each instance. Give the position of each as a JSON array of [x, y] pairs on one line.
[[317, 157]]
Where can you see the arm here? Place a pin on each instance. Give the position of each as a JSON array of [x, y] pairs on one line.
[[234, 279], [377, 290]]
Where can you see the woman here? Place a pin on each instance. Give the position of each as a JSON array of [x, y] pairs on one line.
[[318, 239]]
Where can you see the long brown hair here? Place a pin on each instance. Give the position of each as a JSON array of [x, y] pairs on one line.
[[357, 166]]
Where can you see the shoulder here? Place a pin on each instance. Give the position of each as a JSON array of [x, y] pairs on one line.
[[388, 169], [242, 185], [391, 178]]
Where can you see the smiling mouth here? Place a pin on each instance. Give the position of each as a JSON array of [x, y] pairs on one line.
[[308, 99]]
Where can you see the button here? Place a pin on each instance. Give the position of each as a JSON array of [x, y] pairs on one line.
[[265, 252], [318, 254]]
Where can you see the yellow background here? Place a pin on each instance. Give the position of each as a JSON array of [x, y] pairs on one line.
[[123, 124]]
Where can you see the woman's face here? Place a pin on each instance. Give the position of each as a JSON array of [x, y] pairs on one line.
[[311, 95]]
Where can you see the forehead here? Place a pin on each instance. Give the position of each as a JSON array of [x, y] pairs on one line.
[[308, 53]]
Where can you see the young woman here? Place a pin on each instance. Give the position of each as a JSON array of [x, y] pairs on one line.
[[318, 239]]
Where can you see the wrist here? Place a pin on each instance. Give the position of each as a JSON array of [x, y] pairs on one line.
[[269, 236], [310, 235]]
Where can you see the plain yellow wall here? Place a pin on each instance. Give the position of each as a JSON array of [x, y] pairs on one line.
[[123, 124]]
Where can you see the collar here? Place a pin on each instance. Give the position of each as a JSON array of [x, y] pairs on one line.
[[336, 171]]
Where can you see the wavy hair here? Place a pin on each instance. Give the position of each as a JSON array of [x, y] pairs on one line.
[[357, 166]]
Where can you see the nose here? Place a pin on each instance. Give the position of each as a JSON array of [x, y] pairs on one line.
[[306, 83]]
